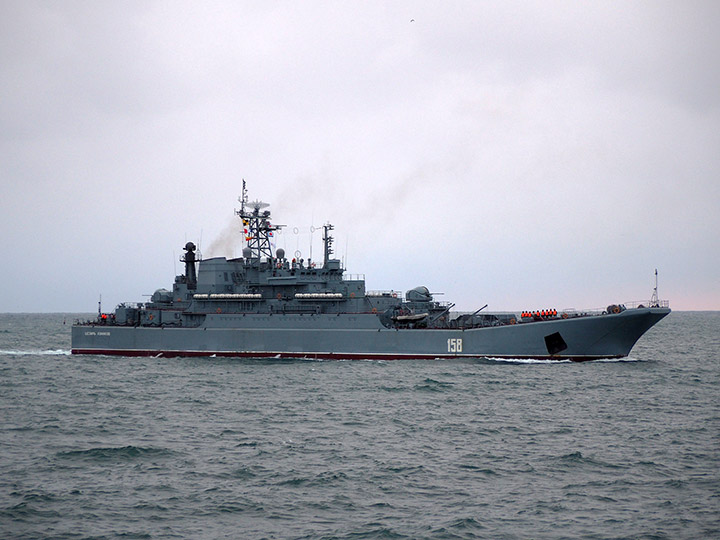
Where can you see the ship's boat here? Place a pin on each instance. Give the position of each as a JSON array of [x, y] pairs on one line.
[[265, 304]]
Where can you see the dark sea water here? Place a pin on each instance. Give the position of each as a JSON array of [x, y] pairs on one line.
[[107, 447]]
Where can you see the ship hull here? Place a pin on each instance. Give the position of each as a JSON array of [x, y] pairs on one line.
[[361, 336]]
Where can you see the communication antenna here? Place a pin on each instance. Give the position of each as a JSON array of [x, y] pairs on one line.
[[312, 231], [243, 197], [346, 252]]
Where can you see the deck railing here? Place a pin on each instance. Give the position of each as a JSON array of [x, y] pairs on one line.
[[387, 294], [627, 305]]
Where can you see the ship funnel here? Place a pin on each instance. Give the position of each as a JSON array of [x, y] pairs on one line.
[[189, 260]]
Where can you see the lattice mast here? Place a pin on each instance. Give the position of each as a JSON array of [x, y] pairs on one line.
[[327, 242], [655, 300], [257, 229]]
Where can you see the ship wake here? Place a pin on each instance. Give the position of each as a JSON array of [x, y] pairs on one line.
[[53, 352]]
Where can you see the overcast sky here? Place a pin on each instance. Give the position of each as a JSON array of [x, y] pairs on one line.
[[525, 154]]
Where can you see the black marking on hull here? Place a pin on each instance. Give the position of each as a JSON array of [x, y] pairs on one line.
[[555, 343]]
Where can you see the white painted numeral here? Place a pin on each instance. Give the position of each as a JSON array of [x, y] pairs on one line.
[[455, 345]]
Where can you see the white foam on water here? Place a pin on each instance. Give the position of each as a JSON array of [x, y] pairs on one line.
[[526, 360], [54, 352]]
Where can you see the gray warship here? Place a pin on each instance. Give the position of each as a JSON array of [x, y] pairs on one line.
[[264, 305]]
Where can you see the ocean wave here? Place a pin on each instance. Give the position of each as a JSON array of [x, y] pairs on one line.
[[114, 453], [370, 530], [432, 385], [27, 512], [460, 528], [577, 459], [321, 479]]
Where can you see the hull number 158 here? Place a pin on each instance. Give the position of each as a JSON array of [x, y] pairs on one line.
[[455, 345]]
